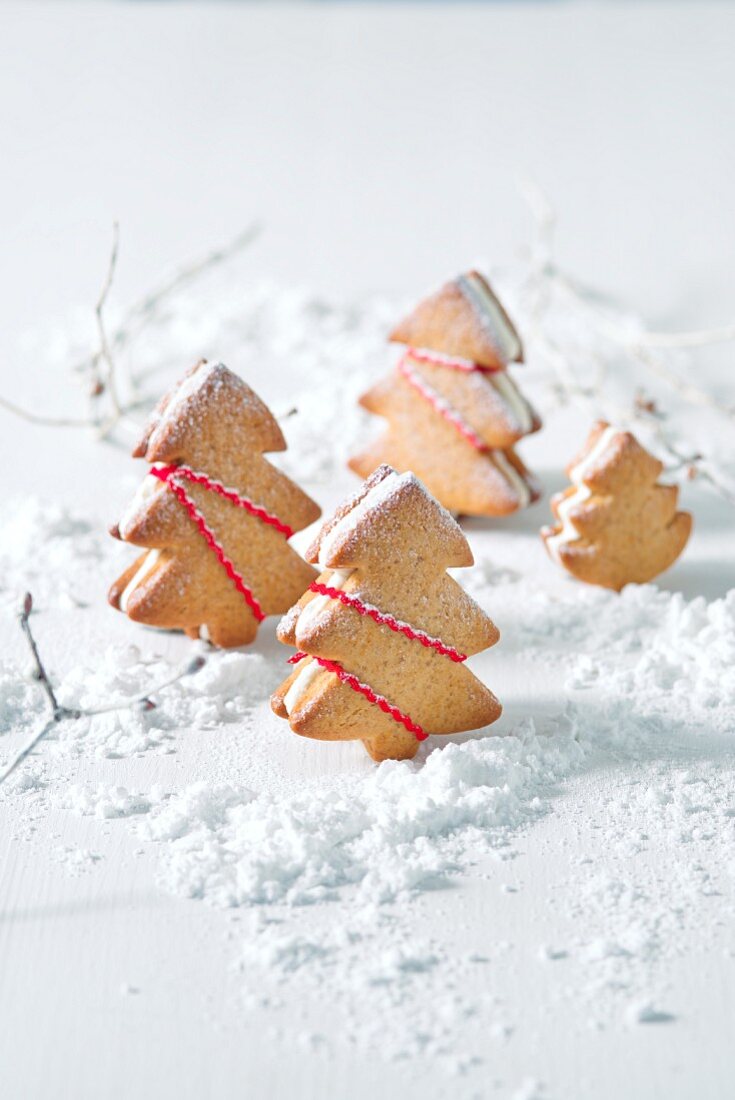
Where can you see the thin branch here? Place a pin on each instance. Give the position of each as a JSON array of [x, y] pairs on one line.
[[105, 354], [636, 345], [544, 278], [137, 316], [61, 713], [193, 666], [695, 339], [46, 421], [148, 305], [41, 674], [27, 749]]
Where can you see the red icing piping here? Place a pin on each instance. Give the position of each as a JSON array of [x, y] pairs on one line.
[[168, 474], [386, 619], [365, 689], [213, 486], [466, 365], [441, 406]]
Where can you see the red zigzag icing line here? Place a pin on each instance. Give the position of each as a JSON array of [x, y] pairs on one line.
[[466, 365], [364, 689], [386, 619], [213, 486], [169, 474], [441, 406]]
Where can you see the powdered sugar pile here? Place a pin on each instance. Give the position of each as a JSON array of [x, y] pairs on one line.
[[345, 883], [404, 828]]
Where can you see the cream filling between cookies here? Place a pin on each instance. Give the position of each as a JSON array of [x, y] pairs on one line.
[[143, 494], [301, 685], [376, 495], [149, 563], [509, 393], [583, 492], [315, 606], [508, 470], [503, 334]]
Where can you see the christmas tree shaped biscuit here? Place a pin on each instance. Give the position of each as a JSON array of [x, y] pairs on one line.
[[615, 523], [384, 632], [453, 411], [214, 515]]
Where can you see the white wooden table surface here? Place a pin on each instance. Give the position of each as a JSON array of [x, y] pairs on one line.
[[381, 147]]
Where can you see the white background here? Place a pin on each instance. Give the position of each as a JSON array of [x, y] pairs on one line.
[[380, 146]]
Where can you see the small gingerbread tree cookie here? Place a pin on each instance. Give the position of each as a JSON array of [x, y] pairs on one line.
[[616, 524], [214, 515], [384, 632], [453, 411]]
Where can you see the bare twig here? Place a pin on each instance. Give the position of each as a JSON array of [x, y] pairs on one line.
[[147, 306], [638, 345], [103, 384], [696, 339], [40, 671], [108, 383], [544, 280], [60, 713], [45, 421]]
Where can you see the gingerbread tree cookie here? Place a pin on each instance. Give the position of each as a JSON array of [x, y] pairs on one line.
[[615, 523], [384, 632], [453, 411], [214, 515]]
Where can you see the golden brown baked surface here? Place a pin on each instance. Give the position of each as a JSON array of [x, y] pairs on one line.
[[214, 423], [389, 548], [622, 525]]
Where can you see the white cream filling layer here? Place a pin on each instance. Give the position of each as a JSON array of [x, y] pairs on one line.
[[583, 492], [301, 685], [503, 334], [513, 478], [519, 407], [143, 494], [314, 607], [312, 611], [375, 497], [147, 567]]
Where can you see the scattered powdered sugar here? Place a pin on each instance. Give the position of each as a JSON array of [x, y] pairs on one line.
[[650, 651], [19, 699], [404, 828], [107, 802], [337, 885]]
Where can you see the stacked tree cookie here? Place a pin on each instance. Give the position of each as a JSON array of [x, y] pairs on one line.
[[383, 633], [214, 515], [454, 413]]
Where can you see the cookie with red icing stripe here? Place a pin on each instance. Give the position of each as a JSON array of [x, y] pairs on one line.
[[463, 319], [453, 411], [384, 632], [214, 515]]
